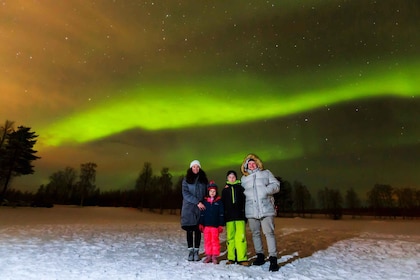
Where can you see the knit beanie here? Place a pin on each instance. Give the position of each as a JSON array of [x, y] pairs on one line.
[[231, 172], [195, 162], [212, 185]]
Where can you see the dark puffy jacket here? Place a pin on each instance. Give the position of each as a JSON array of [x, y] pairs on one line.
[[192, 194], [213, 216], [234, 202]]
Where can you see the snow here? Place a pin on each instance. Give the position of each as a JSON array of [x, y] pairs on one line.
[[116, 243]]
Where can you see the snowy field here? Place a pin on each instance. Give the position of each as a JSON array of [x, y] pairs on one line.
[[67, 242]]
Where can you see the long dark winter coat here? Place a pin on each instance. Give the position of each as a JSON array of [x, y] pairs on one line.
[[193, 191]]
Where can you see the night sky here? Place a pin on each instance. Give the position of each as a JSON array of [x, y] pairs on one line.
[[327, 93]]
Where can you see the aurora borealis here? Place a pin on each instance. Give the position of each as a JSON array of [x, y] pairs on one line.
[[325, 92]]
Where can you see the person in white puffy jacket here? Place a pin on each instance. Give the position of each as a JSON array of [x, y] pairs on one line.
[[259, 187]]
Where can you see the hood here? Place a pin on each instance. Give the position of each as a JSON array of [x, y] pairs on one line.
[[257, 160]]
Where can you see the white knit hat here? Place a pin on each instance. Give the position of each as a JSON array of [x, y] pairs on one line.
[[195, 162]]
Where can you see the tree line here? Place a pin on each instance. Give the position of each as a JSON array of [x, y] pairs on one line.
[[383, 201], [158, 192]]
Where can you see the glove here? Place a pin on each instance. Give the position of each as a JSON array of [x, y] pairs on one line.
[[220, 228], [201, 228]]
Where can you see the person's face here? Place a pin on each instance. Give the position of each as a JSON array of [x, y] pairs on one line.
[[231, 178], [212, 192], [195, 168], [252, 165]]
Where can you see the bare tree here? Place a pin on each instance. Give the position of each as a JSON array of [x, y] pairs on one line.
[[284, 198], [87, 180], [143, 182], [6, 130], [381, 200], [165, 182], [302, 198], [406, 200], [176, 196], [352, 201], [331, 202], [61, 185]]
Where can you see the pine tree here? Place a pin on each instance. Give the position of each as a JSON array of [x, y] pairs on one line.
[[16, 155]]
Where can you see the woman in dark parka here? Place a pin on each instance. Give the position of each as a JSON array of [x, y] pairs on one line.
[[194, 188]]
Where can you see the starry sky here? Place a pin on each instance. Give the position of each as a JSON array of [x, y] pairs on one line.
[[327, 93]]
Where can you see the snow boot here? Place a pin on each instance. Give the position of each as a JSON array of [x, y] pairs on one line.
[[214, 259], [190, 254], [243, 263], [208, 259], [273, 264], [196, 256], [260, 259]]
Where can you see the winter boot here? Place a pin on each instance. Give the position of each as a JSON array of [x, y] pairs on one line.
[[244, 263], [190, 254], [260, 259], [196, 256], [214, 259], [208, 259], [273, 264]]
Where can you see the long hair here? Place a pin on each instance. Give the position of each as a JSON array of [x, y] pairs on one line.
[[191, 177]]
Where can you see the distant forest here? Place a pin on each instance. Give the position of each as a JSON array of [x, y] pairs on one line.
[[159, 193]]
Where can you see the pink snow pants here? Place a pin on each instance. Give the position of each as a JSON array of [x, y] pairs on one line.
[[211, 241]]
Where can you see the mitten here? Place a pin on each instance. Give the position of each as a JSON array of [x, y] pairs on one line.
[[220, 228], [201, 227]]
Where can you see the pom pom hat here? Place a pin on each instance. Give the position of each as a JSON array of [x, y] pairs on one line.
[[212, 185], [195, 162]]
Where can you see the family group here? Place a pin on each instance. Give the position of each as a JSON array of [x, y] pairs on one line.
[[248, 200]]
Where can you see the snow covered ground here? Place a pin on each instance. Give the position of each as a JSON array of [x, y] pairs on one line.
[[131, 245]]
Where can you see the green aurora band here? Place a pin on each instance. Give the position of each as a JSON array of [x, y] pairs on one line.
[[158, 107]]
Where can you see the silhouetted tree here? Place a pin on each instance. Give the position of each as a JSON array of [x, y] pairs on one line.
[[302, 198], [87, 178], [143, 182], [380, 199], [406, 201], [5, 130], [62, 185], [165, 182], [284, 198], [352, 201], [331, 202], [176, 191], [16, 155]]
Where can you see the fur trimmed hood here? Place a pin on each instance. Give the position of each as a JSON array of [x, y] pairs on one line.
[[244, 166]]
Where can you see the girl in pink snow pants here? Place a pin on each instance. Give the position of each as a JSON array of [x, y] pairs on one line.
[[211, 223]]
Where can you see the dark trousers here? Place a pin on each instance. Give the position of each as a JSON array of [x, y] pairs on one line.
[[193, 236]]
